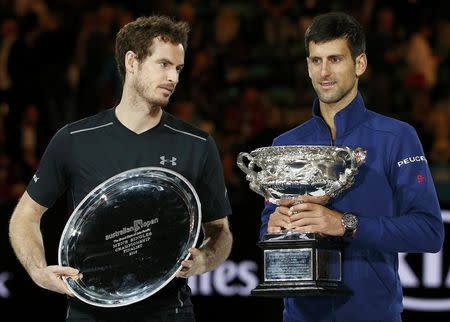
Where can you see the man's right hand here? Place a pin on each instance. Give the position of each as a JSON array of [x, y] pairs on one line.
[[51, 278], [279, 219]]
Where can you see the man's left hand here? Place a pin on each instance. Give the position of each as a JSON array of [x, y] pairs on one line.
[[195, 265], [308, 217]]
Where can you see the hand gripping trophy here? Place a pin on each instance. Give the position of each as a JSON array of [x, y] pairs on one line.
[[297, 264]]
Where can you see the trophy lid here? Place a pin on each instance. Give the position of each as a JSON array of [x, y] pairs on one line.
[[128, 236]]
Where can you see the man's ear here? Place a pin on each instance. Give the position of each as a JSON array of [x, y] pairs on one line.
[[307, 65], [361, 64], [130, 62]]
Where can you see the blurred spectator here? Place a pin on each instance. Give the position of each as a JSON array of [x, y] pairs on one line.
[[421, 61], [440, 153], [384, 54], [8, 35], [29, 138], [278, 25]]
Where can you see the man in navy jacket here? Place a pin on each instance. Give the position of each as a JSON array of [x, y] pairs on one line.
[[393, 201]]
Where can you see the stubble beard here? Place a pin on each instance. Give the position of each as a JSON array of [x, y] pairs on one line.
[[153, 101], [334, 96], [146, 94], [330, 98]]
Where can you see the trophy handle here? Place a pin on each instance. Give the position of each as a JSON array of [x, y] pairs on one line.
[[343, 153], [240, 162], [251, 175]]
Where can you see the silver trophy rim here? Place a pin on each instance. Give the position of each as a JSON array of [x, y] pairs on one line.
[[73, 216], [300, 146], [265, 181]]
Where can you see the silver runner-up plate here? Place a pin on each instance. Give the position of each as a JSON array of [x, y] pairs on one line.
[[128, 236]]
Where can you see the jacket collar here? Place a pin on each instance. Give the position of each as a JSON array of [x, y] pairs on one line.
[[346, 119]]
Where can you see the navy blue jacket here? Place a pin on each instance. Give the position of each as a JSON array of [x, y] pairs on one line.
[[396, 204]]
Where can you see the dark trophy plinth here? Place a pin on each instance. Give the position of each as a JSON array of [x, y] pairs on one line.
[[301, 264], [128, 236]]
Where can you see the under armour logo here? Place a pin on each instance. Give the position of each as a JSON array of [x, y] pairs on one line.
[[35, 178], [164, 160]]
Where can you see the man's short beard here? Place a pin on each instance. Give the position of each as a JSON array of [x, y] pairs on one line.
[[152, 101], [336, 97], [160, 103]]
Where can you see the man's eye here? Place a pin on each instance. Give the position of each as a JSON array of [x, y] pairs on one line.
[[315, 61], [335, 59], [164, 64]]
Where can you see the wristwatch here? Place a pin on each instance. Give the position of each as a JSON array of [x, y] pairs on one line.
[[350, 223]]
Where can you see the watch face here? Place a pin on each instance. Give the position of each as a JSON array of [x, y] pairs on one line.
[[350, 221]]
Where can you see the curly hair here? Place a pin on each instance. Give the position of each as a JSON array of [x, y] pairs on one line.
[[138, 36]]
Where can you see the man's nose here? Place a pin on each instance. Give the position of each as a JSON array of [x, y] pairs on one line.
[[173, 75], [325, 69]]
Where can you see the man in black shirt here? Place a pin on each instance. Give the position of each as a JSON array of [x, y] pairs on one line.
[[136, 133]]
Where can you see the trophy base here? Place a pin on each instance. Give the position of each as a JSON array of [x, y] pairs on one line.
[[301, 265], [305, 289]]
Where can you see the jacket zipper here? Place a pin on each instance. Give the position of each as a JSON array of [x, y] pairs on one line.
[[329, 131]]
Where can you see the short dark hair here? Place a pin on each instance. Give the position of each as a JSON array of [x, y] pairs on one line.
[[335, 25], [138, 36]]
